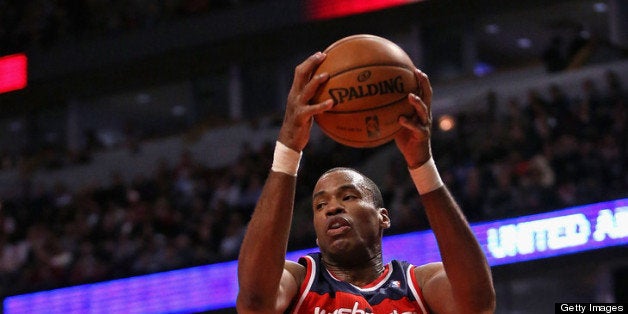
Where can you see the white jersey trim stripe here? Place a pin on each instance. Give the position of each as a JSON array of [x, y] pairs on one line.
[[310, 281], [414, 288]]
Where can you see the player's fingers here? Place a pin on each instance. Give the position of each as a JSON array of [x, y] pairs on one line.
[[303, 72], [425, 88], [320, 107], [421, 108], [312, 86], [412, 125]]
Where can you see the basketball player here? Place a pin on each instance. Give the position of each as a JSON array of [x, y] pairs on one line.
[[349, 275]]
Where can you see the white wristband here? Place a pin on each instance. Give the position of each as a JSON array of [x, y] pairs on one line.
[[286, 160], [426, 177]]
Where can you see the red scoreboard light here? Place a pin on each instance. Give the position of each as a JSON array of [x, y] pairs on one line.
[[327, 9], [13, 72]]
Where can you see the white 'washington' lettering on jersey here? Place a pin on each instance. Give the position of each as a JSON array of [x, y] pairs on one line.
[[354, 310]]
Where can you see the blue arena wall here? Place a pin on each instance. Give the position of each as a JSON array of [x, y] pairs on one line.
[[212, 287]]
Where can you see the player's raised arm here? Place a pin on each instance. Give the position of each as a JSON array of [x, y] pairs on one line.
[[267, 282], [462, 283]]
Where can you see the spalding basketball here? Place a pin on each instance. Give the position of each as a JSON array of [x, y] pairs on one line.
[[370, 78]]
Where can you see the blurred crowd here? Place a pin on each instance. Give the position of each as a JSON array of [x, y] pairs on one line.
[[43, 23], [504, 158]]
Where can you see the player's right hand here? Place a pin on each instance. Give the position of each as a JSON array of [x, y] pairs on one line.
[[298, 117]]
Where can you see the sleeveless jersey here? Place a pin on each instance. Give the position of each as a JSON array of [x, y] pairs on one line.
[[395, 292]]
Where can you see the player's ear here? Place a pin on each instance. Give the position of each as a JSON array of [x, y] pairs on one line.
[[317, 242], [384, 218]]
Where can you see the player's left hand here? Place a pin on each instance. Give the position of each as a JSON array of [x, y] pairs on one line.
[[413, 140]]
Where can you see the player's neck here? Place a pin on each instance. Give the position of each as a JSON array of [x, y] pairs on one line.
[[360, 274]]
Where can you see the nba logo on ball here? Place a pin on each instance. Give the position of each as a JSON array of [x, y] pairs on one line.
[[372, 127], [370, 78]]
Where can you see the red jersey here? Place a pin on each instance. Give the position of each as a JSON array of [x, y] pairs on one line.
[[395, 292]]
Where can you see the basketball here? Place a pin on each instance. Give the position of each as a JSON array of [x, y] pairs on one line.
[[370, 78]]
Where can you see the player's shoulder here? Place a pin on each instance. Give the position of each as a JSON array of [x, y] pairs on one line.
[[294, 266], [297, 270], [427, 272]]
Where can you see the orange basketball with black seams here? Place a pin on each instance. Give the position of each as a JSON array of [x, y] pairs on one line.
[[370, 78]]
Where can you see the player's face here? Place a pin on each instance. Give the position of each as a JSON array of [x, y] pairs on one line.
[[345, 219]]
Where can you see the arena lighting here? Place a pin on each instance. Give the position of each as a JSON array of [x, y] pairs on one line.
[[215, 286], [327, 9], [13, 72], [446, 123]]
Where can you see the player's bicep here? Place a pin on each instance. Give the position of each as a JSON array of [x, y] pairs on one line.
[[436, 288]]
